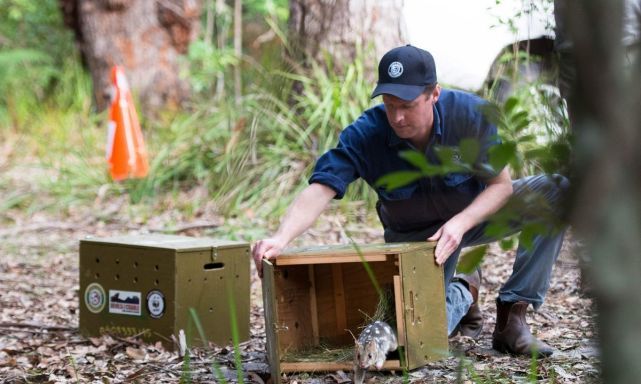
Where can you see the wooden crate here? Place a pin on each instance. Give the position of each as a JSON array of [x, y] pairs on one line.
[[317, 296], [164, 280]]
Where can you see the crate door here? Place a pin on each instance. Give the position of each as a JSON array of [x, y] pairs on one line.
[[423, 307], [271, 319]]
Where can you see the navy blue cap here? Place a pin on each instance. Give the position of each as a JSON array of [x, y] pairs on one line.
[[404, 72]]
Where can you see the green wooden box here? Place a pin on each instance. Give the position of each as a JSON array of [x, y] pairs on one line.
[[147, 285], [314, 297]]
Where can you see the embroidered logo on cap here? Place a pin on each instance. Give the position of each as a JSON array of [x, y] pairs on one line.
[[395, 69]]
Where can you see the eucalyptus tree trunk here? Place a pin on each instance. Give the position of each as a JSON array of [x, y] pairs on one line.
[[146, 37], [607, 211], [338, 27]]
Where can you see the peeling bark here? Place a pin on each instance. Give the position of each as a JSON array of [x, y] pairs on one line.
[[338, 27], [146, 37]]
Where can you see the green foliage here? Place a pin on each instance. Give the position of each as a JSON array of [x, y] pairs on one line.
[[279, 9], [398, 179], [206, 63], [468, 151], [245, 154], [252, 155], [195, 319], [370, 273], [528, 9], [470, 260], [35, 50], [533, 126], [235, 334], [25, 23], [185, 377], [265, 147]]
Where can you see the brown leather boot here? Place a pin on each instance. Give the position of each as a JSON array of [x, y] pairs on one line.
[[512, 334], [471, 324]]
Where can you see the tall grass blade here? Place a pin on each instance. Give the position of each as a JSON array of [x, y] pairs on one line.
[[234, 333]]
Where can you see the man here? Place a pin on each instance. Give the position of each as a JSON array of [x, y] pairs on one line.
[[452, 209]]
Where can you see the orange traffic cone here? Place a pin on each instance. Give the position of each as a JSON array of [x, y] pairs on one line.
[[126, 152]]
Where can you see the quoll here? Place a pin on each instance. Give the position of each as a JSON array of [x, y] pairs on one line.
[[372, 346]]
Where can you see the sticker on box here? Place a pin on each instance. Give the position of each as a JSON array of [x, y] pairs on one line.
[[124, 302], [156, 304], [95, 298]]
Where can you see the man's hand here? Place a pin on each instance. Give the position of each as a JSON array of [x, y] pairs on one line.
[[307, 206], [493, 197], [449, 238], [266, 249]]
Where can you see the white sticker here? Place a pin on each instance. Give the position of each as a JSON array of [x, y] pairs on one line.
[[155, 304], [124, 302], [395, 69], [95, 297]]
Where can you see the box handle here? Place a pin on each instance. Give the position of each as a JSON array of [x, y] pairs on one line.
[[213, 266], [411, 308]]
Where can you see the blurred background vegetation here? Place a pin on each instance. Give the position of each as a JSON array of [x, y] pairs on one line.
[[244, 151], [247, 154]]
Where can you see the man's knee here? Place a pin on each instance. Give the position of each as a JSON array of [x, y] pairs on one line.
[[549, 186], [560, 182], [555, 187], [541, 195]]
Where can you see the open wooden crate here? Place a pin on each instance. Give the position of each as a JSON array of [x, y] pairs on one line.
[[315, 296]]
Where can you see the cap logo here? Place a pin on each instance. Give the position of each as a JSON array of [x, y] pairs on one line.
[[395, 69]]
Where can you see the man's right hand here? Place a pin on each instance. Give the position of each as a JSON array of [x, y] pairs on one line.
[[301, 214], [266, 249]]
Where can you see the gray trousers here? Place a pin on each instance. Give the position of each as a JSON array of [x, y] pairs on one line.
[[536, 204]]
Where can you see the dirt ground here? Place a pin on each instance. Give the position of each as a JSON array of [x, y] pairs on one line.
[[39, 341]]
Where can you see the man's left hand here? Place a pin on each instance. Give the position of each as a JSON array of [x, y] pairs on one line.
[[449, 238]]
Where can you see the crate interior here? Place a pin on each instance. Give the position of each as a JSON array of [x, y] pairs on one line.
[[317, 304]]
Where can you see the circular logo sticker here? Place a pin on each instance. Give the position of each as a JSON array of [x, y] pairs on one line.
[[395, 69], [155, 304], [95, 298]]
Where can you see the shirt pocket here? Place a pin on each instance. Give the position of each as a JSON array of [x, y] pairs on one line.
[[398, 194], [459, 190], [461, 182]]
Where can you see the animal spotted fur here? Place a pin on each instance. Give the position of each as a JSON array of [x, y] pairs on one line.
[[372, 346]]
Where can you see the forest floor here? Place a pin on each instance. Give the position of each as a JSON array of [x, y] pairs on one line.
[[39, 311]]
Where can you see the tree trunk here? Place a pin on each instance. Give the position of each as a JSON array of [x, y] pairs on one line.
[[338, 27], [146, 37], [607, 212]]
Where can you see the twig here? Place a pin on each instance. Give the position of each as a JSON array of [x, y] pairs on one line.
[[39, 227], [187, 227], [38, 326], [255, 378], [139, 373], [131, 340], [9, 331]]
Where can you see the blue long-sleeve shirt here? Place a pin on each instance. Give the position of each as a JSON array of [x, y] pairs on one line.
[[368, 148]]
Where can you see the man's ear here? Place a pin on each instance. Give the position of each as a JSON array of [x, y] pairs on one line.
[[436, 93]]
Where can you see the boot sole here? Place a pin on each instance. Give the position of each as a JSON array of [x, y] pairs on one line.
[[503, 348]]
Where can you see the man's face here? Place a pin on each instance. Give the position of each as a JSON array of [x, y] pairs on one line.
[[411, 120]]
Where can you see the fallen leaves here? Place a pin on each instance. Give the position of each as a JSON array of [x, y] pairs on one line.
[[39, 341]]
